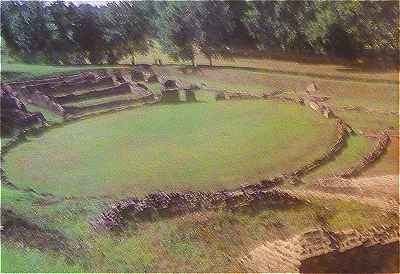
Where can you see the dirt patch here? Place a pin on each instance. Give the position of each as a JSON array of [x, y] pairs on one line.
[[381, 191]]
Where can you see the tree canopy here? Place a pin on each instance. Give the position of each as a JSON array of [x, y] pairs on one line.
[[64, 33]]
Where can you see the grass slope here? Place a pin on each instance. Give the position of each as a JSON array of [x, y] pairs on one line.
[[20, 71], [171, 147], [202, 242]]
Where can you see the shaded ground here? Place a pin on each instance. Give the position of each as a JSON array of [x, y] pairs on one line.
[[376, 259], [380, 191]]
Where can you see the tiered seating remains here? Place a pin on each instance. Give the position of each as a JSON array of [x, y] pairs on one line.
[[82, 93], [174, 91], [15, 116]]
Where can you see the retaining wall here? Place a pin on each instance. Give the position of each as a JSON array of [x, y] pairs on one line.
[[124, 88], [288, 255], [172, 204], [37, 98], [378, 150], [342, 133], [108, 105]]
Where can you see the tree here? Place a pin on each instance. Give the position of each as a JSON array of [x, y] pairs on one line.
[[64, 47], [129, 28], [217, 26], [88, 33], [25, 28], [278, 24], [179, 30]]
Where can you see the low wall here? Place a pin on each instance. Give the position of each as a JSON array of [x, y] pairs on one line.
[[171, 204], [103, 106], [37, 98], [69, 87], [231, 95], [342, 133], [124, 88], [378, 150]]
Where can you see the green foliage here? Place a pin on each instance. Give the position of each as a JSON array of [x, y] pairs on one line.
[[63, 33]]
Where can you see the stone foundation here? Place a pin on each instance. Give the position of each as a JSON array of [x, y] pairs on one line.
[[172, 204], [287, 256], [378, 150]]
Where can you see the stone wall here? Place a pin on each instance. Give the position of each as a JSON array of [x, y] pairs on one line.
[[84, 84], [108, 105], [171, 204], [288, 255], [35, 97], [230, 95], [14, 115], [342, 133], [317, 242], [124, 88], [383, 141]]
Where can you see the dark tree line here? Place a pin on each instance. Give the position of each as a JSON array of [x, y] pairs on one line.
[[64, 33]]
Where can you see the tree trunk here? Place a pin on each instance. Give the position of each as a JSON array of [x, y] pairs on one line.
[[210, 60], [194, 61], [133, 59]]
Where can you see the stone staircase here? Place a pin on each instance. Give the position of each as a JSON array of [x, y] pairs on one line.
[[84, 93]]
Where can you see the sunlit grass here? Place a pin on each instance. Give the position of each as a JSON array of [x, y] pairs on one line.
[[201, 146]]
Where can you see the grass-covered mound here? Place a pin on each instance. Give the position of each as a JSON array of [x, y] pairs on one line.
[[201, 146]]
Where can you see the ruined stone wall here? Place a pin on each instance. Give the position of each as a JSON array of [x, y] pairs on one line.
[[287, 256], [378, 150], [318, 242], [14, 115], [342, 133], [172, 204], [105, 106], [230, 95], [124, 88], [252, 194], [35, 97]]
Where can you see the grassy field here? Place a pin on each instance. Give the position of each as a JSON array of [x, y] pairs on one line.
[[202, 242], [291, 67], [375, 96], [357, 147], [18, 71], [201, 146]]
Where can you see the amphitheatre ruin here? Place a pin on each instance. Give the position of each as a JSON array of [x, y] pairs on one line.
[[141, 148]]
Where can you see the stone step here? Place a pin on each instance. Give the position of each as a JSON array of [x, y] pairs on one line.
[[115, 104]]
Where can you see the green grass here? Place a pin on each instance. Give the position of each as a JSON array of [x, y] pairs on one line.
[[202, 242], [50, 116], [382, 97], [357, 147], [16, 259], [95, 101], [289, 67], [204, 146], [19, 71], [171, 147]]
